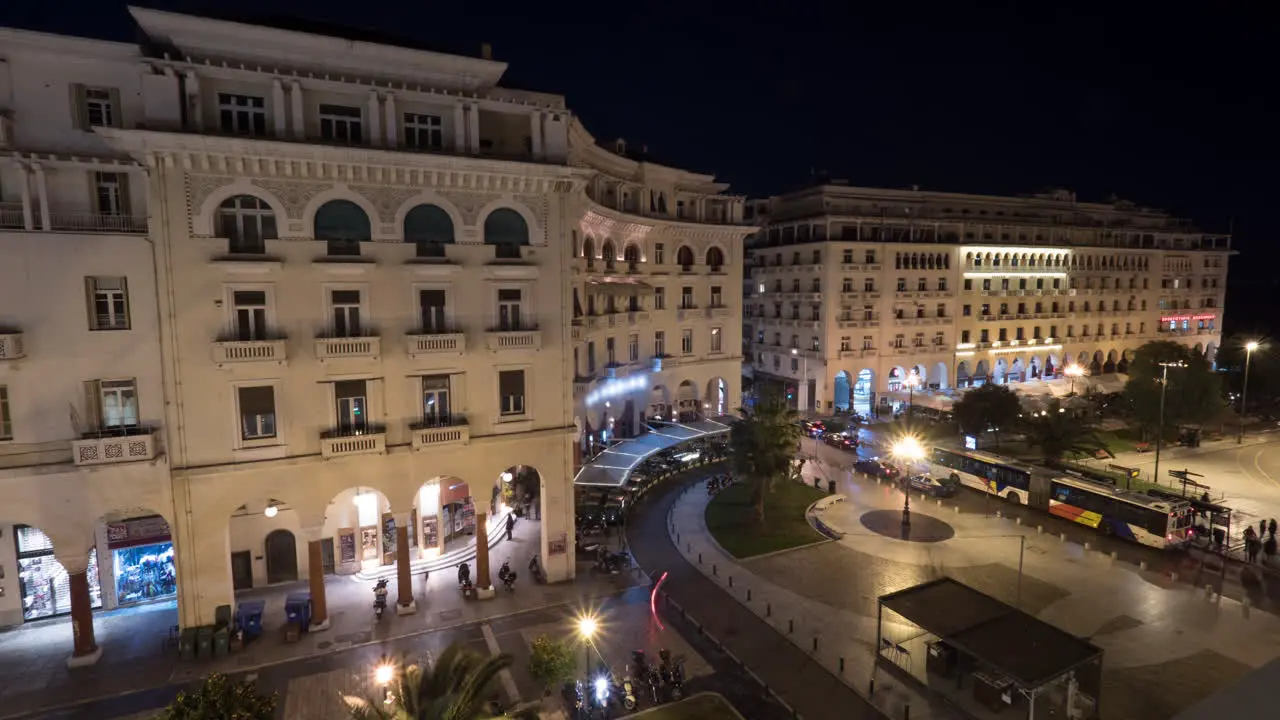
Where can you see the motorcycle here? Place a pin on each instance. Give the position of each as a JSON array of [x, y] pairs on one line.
[[645, 674], [507, 576], [611, 563], [464, 580], [573, 697], [672, 674], [380, 597]]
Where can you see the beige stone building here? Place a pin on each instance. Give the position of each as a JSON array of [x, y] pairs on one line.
[[856, 292]]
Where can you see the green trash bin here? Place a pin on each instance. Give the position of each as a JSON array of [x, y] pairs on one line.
[[187, 644], [204, 642], [221, 641]]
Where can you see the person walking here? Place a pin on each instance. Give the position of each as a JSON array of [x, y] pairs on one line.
[[1250, 544], [1262, 528], [511, 523], [1272, 527]]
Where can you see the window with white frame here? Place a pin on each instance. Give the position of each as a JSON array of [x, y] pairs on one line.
[[659, 298], [686, 298], [717, 339], [435, 400], [246, 221], [509, 309], [242, 114], [110, 193], [97, 107], [610, 351], [108, 303], [249, 314], [717, 297], [423, 132], [511, 392], [116, 403], [257, 412], [433, 311], [633, 348], [6, 417], [351, 406], [344, 306], [686, 341], [341, 123], [659, 343], [659, 252]]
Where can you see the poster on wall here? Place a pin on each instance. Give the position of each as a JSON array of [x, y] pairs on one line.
[[346, 546], [558, 545], [431, 531], [413, 523], [388, 538], [369, 542], [468, 515]]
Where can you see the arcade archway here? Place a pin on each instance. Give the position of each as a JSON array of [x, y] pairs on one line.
[[717, 402], [842, 392]]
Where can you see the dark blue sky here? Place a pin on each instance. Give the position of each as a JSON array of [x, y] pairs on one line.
[[1166, 107]]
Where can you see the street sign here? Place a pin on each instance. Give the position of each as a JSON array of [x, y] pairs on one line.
[[1183, 474]]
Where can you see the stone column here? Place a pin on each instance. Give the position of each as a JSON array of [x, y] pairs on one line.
[[405, 604], [28, 210], [375, 120], [42, 196], [535, 133], [484, 588], [295, 107], [393, 122], [280, 120], [315, 577], [86, 650], [473, 128]]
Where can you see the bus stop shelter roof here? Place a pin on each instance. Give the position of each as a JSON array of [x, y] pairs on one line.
[[1029, 651], [612, 467]]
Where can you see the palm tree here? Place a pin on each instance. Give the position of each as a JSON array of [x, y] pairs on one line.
[[454, 687], [1057, 432], [763, 446]]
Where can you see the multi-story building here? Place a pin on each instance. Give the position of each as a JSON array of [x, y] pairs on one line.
[[658, 262], [855, 292]]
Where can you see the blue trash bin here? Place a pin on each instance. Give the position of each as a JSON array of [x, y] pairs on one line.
[[297, 607], [249, 618]]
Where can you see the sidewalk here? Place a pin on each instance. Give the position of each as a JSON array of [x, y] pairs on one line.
[[33, 657], [1167, 644]]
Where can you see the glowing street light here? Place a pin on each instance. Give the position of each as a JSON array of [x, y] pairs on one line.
[[587, 626], [1074, 371], [1244, 396], [383, 674], [907, 449]]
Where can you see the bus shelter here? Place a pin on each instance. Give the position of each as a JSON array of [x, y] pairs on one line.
[[986, 656]]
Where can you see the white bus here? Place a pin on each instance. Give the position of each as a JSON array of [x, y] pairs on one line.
[[1008, 479], [1156, 522]]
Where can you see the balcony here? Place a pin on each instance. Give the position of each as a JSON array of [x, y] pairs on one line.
[[422, 344], [526, 339], [333, 348], [342, 442], [11, 345], [13, 217], [111, 447], [719, 311], [686, 312], [637, 316], [434, 432], [227, 352]]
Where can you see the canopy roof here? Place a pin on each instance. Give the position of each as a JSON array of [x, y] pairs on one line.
[[613, 466]]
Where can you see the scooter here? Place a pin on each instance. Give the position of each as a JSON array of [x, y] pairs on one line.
[[380, 597], [507, 576], [672, 673], [464, 580], [645, 674], [611, 563]]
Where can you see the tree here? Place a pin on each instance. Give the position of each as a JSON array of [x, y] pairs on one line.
[[551, 662], [991, 406], [1194, 394], [455, 687], [220, 699], [1058, 432], [762, 444]]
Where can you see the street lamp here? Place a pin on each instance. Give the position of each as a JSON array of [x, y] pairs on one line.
[[1164, 385], [587, 627], [383, 674], [912, 381], [795, 352], [1074, 371], [1244, 396], [907, 449]]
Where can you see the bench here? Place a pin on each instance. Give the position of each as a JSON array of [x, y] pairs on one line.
[[1142, 447]]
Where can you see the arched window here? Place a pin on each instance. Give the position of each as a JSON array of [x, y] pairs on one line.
[[589, 251], [609, 255], [246, 221], [715, 259], [507, 231], [632, 255], [343, 225], [684, 258], [430, 228]]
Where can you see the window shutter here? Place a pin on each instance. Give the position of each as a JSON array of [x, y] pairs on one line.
[[92, 405], [95, 203], [89, 304], [128, 309], [79, 111], [117, 112], [257, 400], [126, 206]]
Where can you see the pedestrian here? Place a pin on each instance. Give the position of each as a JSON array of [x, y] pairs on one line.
[[1251, 549], [511, 523], [1262, 528], [1272, 527]]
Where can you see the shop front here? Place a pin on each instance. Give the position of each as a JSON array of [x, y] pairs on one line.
[[142, 560], [44, 584]]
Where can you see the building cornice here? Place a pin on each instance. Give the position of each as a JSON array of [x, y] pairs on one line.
[[610, 222], [67, 46], [309, 161]]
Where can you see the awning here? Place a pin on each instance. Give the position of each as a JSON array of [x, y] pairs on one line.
[[613, 466]]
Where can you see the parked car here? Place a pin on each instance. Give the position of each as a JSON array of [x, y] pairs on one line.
[[812, 428], [844, 442], [935, 487], [875, 468]]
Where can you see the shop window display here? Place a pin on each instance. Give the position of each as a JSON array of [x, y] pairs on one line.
[[44, 583], [144, 573]]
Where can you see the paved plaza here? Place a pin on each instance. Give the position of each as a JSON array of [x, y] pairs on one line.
[[1167, 643]]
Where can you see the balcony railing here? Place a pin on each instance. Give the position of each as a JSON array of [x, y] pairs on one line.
[[423, 343], [437, 431], [12, 217], [246, 351], [524, 339], [11, 345], [110, 447], [718, 311], [331, 348], [364, 440]]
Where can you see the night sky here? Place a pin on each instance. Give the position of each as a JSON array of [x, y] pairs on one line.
[[1164, 106]]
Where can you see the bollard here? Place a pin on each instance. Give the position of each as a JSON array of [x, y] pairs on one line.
[[677, 538], [700, 556], [872, 690], [730, 581], [1039, 529], [1208, 592], [939, 502], [906, 711], [1173, 576], [1062, 537], [1086, 546], [713, 568], [748, 594], [815, 643], [957, 509], [1017, 521], [1244, 607], [791, 626], [998, 515], [1115, 555], [768, 609], [688, 547], [842, 659], [1142, 565]]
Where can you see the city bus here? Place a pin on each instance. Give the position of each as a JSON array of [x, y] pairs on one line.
[[1152, 521], [1008, 479]]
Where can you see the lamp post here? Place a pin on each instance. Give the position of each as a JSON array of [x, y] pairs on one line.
[[1073, 371], [908, 450], [795, 352], [1244, 396], [913, 379], [1164, 385], [383, 674], [587, 627]]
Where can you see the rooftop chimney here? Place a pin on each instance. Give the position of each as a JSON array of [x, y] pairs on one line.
[[486, 51]]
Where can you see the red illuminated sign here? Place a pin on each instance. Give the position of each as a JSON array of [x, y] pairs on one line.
[[1192, 318]]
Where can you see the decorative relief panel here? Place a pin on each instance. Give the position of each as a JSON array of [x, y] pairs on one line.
[[386, 200], [537, 205], [294, 195], [200, 187], [469, 204]]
